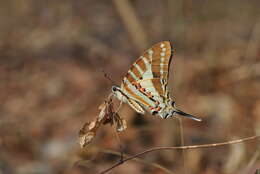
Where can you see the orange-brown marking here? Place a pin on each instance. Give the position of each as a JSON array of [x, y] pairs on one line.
[[158, 50], [142, 90], [158, 61], [137, 85], [158, 86], [155, 108], [151, 108], [140, 99], [146, 55], [158, 109], [157, 68], [130, 78], [141, 64], [136, 72], [165, 74], [156, 74], [149, 94]]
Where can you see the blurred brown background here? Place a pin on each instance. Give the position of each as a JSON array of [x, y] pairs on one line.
[[52, 54]]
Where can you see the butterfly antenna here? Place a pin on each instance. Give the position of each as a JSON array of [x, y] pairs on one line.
[[108, 77]]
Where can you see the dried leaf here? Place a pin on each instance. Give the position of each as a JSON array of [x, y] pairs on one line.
[[102, 112], [106, 115], [86, 139], [120, 123], [87, 133]]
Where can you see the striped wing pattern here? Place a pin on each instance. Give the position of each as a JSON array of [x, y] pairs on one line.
[[146, 81]]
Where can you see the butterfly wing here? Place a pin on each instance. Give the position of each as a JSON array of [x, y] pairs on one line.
[[136, 106], [147, 79], [161, 56]]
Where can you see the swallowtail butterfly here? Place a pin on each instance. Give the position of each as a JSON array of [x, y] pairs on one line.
[[145, 85]]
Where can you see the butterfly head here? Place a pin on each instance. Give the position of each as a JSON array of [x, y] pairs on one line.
[[171, 110], [115, 88], [116, 91]]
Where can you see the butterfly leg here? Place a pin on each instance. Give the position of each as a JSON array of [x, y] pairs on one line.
[[121, 147], [120, 105], [121, 154], [136, 106]]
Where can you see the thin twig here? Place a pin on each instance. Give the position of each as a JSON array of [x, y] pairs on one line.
[[107, 76], [182, 144], [253, 44], [251, 68], [132, 23], [251, 162], [242, 73], [180, 148], [119, 142], [155, 165]]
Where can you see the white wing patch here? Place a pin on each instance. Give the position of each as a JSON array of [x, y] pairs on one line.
[[136, 106]]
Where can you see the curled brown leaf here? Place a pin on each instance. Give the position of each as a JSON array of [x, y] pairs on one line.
[[107, 115]]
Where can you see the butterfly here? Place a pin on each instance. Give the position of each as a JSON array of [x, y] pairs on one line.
[[145, 85]]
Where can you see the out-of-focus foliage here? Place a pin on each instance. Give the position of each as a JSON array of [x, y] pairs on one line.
[[52, 58]]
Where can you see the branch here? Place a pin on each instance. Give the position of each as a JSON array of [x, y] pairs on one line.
[[132, 23], [139, 160], [179, 148]]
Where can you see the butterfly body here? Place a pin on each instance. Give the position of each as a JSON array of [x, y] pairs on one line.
[[144, 87]]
